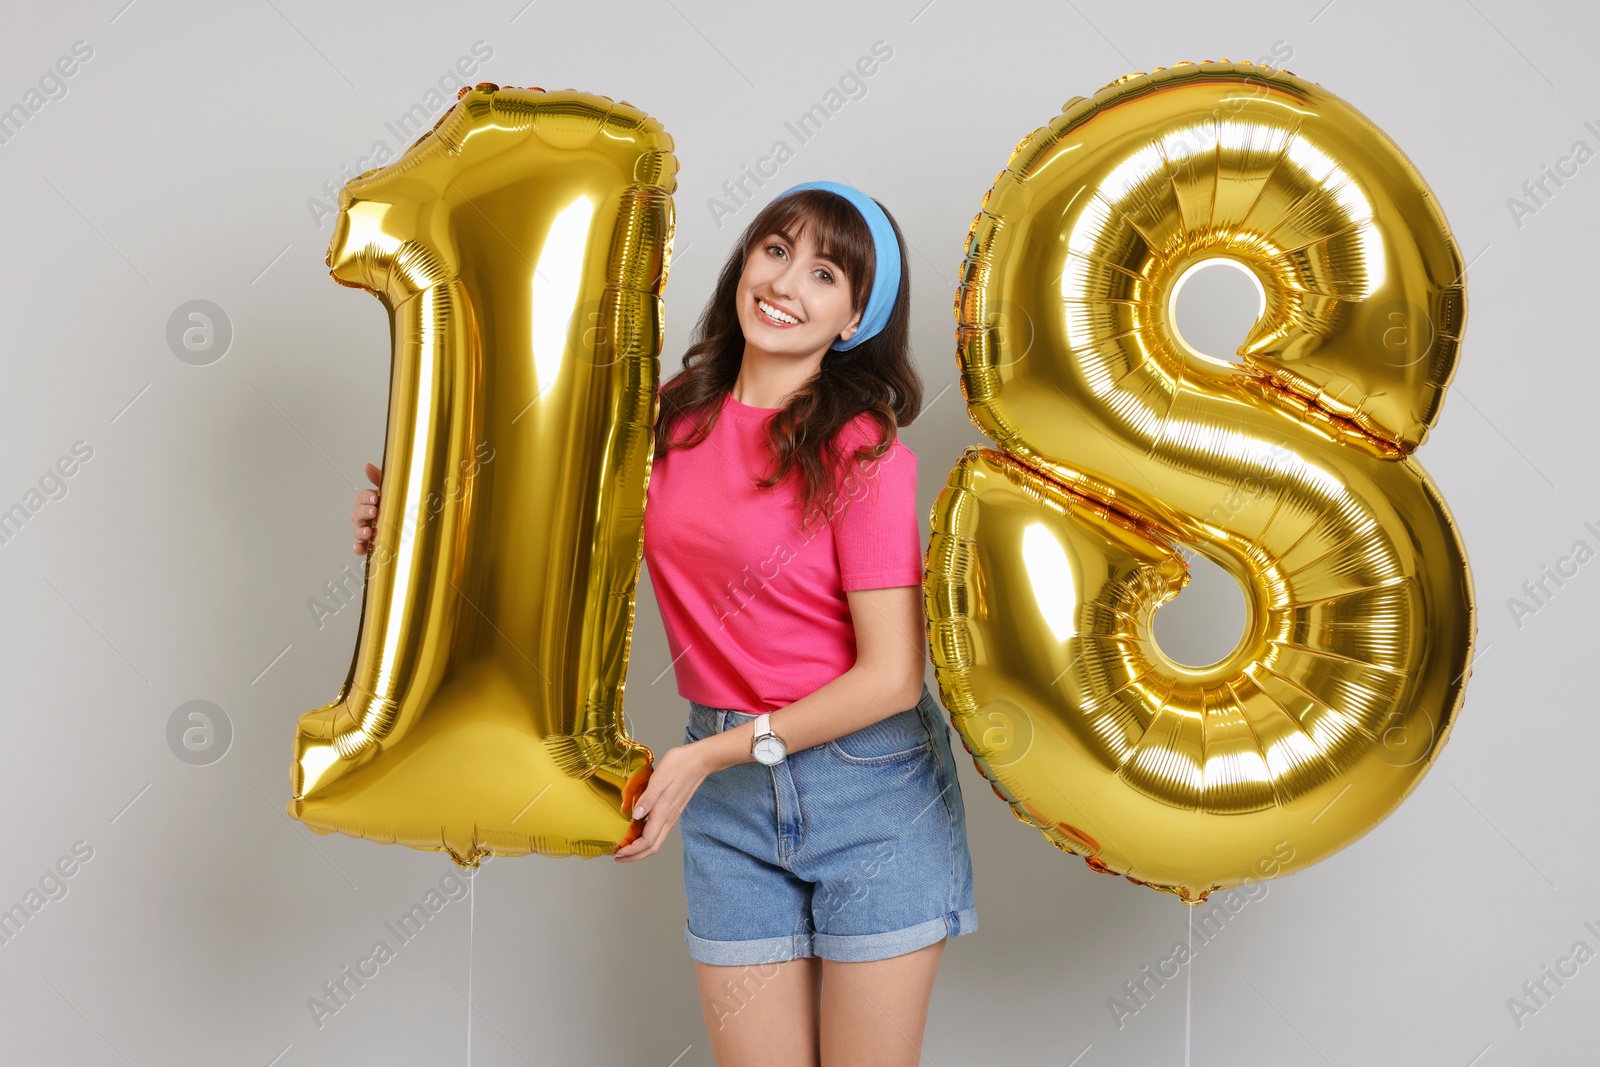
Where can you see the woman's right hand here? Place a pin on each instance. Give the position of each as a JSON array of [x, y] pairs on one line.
[[365, 512]]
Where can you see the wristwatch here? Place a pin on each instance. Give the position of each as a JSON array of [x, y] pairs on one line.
[[766, 746]]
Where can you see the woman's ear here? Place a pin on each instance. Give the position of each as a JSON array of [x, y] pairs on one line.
[[850, 327]]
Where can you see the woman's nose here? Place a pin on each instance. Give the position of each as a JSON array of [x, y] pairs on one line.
[[784, 284]]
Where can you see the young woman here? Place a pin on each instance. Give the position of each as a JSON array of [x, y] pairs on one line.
[[824, 839]]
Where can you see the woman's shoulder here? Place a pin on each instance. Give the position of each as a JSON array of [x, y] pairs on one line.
[[863, 430], [897, 464]]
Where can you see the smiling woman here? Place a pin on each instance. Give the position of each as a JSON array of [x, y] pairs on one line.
[[812, 737]]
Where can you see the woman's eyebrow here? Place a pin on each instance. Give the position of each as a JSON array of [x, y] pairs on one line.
[[828, 258]]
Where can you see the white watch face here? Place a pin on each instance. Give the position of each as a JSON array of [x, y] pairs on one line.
[[769, 750]]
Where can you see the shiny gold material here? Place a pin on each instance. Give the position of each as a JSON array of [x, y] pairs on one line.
[[1120, 445], [520, 248]]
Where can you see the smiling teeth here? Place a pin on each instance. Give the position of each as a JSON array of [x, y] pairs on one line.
[[774, 312]]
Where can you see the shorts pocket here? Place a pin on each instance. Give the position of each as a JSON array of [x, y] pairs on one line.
[[901, 736]]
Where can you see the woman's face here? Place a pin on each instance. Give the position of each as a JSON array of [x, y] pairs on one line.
[[792, 299]]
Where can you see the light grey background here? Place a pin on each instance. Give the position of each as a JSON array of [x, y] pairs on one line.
[[178, 565]]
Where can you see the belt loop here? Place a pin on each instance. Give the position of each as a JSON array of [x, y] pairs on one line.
[[933, 711]]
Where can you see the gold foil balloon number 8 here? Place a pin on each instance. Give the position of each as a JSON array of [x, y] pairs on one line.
[[1118, 444]]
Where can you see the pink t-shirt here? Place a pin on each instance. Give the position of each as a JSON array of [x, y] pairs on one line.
[[754, 606]]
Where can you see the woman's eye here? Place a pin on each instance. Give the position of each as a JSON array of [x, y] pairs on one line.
[[775, 248], [825, 275]]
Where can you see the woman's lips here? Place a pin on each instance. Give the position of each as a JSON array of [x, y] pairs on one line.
[[769, 320]]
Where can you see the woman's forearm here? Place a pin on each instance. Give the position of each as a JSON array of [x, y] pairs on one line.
[[857, 698]]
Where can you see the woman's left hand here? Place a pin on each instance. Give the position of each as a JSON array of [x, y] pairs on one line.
[[677, 773]]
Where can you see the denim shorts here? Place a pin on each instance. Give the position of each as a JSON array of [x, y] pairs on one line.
[[851, 850]]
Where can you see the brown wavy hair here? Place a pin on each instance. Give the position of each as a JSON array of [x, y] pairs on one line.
[[876, 376]]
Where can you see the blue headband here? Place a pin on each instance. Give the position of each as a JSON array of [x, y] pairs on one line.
[[886, 278]]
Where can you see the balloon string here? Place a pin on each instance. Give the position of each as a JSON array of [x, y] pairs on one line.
[[1188, 988], [472, 900]]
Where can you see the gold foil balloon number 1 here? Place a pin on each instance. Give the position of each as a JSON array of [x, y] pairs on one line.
[[1292, 470], [520, 248]]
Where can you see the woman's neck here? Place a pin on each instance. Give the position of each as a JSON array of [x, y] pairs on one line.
[[768, 380]]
